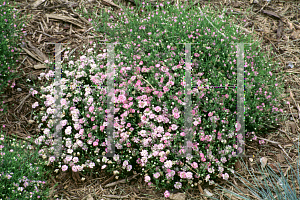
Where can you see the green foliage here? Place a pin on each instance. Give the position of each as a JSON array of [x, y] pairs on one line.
[[22, 173], [8, 51]]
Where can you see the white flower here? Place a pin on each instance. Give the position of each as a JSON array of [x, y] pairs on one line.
[[144, 153], [225, 176], [79, 143], [36, 104], [189, 175], [125, 163], [70, 151], [116, 157], [207, 178], [91, 165], [129, 167], [104, 159], [147, 179], [168, 164], [75, 159], [68, 130], [211, 170], [69, 158]]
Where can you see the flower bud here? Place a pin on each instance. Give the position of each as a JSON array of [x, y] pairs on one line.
[[116, 172], [168, 152]]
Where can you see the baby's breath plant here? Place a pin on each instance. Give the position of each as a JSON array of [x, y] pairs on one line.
[[8, 37], [150, 98], [21, 173]]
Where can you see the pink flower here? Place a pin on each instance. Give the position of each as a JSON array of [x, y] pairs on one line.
[[74, 168], [157, 108], [174, 127], [240, 136], [147, 179], [167, 193], [91, 109], [156, 175], [238, 126], [162, 159], [270, 73], [261, 141], [166, 89], [177, 185], [64, 168], [95, 143], [176, 115], [194, 165], [182, 175]]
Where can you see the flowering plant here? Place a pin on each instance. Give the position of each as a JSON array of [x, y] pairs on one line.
[[22, 174], [9, 29], [149, 120]]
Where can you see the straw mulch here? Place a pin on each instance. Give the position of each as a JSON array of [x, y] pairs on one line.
[[275, 23]]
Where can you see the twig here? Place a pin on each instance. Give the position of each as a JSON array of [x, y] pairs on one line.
[[146, 81], [285, 152], [287, 136], [260, 10], [108, 180], [116, 197], [22, 103], [292, 96], [122, 181], [268, 140], [211, 23]]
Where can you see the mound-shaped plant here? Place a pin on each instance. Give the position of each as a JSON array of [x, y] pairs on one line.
[[149, 122]]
